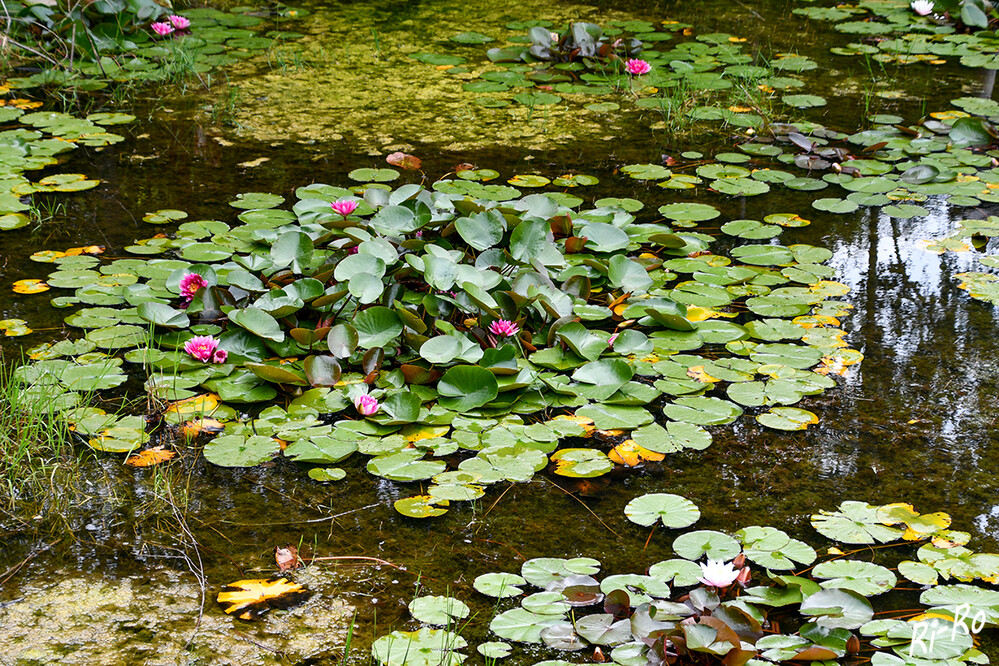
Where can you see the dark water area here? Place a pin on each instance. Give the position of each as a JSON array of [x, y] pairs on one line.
[[916, 422]]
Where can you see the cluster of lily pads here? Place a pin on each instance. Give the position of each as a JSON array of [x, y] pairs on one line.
[[432, 328], [125, 51], [32, 140], [891, 31], [759, 598], [587, 59]]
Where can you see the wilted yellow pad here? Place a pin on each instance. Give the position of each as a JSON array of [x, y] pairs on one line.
[[697, 373], [199, 404], [828, 288], [13, 328], [30, 287], [815, 321], [825, 338], [416, 433], [582, 421], [47, 256], [696, 313], [249, 599], [942, 245], [88, 249], [839, 361], [918, 526], [948, 115], [629, 453]]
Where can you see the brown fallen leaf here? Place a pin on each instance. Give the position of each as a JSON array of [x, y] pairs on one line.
[[286, 558], [404, 161]]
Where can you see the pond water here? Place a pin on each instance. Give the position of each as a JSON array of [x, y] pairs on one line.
[[121, 579]]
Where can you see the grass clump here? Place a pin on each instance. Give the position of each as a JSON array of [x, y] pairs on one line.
[[38, 463]]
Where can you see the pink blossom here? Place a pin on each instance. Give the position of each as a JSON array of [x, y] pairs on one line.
[[503, 327], [366, 405], [555, 36], [611, 339], [202, 347], [718, 573], [162, 29], [344, 208], [179, 22], [354, 250], [637, 67], [220, 356], [190, 284], [922, 7]]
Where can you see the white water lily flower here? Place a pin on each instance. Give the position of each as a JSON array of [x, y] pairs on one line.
[[718, 573], [922, 7]]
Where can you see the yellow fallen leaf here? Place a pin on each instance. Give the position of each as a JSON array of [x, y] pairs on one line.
[[149, 457], [30, 287], [192, 429], [249, 599], [697, 373], [88, 249]]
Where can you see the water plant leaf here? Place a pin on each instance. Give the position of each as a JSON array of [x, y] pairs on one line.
[[715, 545], [241, 451], [787, 418], [421, 506], [838, 609], [438, 609], [326, 474], [376, 327], [581, 463], [405, 465], [613, 417], [466, 387], [522, 626], [499, 585], [672, 510], [854, 523], [425, 647], [864, 578], [702, 411]]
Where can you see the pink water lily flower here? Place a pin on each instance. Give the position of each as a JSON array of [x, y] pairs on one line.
[[344, 208], [162, 29], [611, 339], [203, 348], [366, 405], [637, 67], [220, 356], [179, 22], [190, 284], [922, 7], [503, 327], [718, 573]]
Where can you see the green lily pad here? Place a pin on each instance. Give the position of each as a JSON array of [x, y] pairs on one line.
[[672, 510]]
